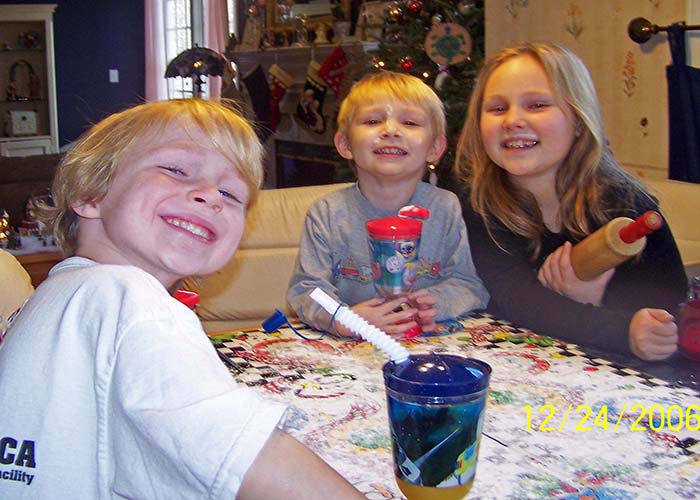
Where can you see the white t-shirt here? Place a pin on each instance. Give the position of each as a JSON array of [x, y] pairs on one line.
[[109, 388]]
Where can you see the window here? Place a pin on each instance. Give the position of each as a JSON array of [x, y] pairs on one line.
[[184, 27], [232, 16]]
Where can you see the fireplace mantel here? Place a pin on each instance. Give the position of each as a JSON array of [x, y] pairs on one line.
[[295, 60]]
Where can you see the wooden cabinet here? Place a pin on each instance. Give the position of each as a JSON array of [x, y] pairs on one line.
[[28, 119], [39, 264]]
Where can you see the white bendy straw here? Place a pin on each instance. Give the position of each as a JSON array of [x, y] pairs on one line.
[[379, 339]]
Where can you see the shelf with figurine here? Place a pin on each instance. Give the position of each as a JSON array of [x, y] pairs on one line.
[[27, 78], [14, 50], [24, 99]]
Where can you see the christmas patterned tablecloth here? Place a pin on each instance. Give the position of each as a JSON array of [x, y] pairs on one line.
[[559, 423]]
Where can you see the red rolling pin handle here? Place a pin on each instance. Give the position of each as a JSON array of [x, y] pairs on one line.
[[612, 244], [645, 224]]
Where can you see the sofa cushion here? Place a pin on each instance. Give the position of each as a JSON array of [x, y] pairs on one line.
[[276, 220], [680, 205], [250, 287], [254, 283], [15, 284]]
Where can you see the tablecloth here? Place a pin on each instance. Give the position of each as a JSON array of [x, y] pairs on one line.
[[337, 407]]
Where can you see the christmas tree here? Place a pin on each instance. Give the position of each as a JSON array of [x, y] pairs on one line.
[[441, 42]]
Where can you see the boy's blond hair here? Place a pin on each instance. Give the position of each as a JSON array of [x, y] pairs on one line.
[[393, 86], [85, 173]]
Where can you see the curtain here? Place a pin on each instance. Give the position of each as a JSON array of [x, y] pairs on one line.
[[155, 85], [683, 111], [215, 37]]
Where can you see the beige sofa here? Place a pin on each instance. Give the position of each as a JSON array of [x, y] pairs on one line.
[[254, 283], [15, 284], [247, 290], [680, 205]]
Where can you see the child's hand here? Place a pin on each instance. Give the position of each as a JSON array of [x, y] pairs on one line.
[[427, 312], [380, 313], [558, 275], [653, 334]]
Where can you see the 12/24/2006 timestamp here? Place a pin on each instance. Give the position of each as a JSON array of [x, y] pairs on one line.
[[639, 417]]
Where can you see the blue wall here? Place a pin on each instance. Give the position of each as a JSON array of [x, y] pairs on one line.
[[90, 38]]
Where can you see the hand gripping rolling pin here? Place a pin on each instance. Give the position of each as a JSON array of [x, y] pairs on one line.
[[615, 242]]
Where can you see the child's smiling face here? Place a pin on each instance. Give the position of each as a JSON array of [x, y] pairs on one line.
[[175, 208], [524, 129], [390, 139]]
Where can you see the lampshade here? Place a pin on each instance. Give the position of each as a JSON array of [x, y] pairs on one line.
[[195, 63]]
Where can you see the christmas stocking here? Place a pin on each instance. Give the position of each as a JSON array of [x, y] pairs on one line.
[[280, 81], [310, 107], [259, 91], [333, 69]]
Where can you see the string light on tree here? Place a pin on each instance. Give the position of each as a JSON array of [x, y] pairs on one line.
[[465, 6], [253, 10], [415, 6], [378, 63], [396, 13]]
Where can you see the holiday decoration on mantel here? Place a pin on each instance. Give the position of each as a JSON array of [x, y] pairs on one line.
[[441, 42], [259, 91], [280, 81], [333, 69], [310, 106]]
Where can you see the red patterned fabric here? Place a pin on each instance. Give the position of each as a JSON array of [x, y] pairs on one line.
[[279, 81], [333, 69]]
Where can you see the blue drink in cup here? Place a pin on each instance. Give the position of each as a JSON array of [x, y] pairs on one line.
[[394, 243], [436, 408]]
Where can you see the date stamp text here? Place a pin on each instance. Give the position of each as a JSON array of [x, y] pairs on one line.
[[637, 417]]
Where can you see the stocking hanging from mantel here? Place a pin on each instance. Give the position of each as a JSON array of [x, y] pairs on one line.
[[259, 91], [280, 81], [333, 69], [310, 107]]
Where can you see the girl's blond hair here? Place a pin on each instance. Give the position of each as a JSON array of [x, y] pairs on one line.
[[586, 173]]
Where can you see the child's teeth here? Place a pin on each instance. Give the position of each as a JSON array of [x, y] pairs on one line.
[[188, 226], [390, 151], [520, 144]]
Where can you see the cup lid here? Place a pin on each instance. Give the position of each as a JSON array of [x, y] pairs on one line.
[[394, 227], [438, 375]]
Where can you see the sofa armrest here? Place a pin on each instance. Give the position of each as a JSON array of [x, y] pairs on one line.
[[15, 284], [680, 205]]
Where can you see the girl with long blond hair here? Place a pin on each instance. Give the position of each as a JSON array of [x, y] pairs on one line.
[[540, 177]]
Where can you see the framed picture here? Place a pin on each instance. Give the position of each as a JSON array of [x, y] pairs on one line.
[[370, 21]]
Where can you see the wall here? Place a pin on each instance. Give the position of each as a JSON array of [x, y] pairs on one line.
[[91, 37], [630, 79]]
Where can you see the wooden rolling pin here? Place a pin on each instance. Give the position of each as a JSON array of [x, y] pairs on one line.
[[615, 242]]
